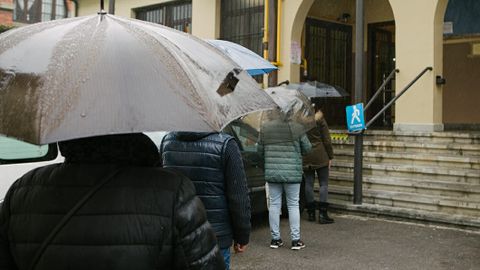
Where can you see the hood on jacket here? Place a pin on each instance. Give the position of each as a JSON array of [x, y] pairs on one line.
[[125, 149], [318, 115]]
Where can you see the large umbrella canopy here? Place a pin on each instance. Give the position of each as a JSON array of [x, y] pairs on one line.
[[245, 58], [313, 89], [296, 114], [103, 74]]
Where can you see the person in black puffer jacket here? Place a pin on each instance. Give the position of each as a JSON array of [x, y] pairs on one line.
[[144, 217]]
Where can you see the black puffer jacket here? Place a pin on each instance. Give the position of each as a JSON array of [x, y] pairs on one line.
[[144, 218]]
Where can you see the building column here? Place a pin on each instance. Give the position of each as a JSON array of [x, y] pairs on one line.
[[206, 18], [292, 22], [419, 44]]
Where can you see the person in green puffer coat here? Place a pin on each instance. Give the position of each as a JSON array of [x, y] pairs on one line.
[[283, 172]]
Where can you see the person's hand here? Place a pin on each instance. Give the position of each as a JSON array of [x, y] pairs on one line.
[[329, 164], [239, 248]]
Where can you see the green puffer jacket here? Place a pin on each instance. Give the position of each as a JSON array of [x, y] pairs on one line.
[[283, 157]]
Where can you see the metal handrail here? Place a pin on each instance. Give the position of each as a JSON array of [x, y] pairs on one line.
[[389, 104], [381, 88], [358, 158]]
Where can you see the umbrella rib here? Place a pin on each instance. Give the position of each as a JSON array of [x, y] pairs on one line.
[[155, 36]]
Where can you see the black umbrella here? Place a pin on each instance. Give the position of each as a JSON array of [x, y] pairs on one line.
[[313, 89]]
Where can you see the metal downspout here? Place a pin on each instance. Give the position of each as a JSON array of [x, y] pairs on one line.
[[265, 30], [277, 62]]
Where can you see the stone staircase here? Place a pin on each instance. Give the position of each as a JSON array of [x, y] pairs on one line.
[[430, 177]]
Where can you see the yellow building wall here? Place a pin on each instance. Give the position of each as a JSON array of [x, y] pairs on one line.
[[419, 40], [206, 18], [293, 19], [89, 7]]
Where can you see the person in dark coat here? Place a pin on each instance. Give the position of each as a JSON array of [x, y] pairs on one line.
[[318, 161], [143, 217], [214, 163]]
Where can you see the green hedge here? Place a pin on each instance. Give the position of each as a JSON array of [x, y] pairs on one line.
[[4, 28]]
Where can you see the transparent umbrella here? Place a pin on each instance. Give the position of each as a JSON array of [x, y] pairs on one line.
[[103, 74], [296, 116]]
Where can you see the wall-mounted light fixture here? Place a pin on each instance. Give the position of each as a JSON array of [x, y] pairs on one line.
[[440, 80]]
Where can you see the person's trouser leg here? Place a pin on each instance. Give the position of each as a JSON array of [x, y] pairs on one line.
[[309, 176], [309, 180], [323, 217], [226, 257], [292, 192], [322, 174], [274, 208]]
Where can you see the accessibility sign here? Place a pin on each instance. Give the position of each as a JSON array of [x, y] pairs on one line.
[[355, 117]]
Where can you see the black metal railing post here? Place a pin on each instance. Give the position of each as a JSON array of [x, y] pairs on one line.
[[358, 160], [111, 7]]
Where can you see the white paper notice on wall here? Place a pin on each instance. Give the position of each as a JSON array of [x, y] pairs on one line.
[[447, 28], [295, 53]]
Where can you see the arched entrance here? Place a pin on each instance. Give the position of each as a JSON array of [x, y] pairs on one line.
[[327, 42]]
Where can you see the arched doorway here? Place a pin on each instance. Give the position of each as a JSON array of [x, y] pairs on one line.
[[328, 42]]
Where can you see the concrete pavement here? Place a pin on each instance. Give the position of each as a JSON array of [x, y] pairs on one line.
[[363, 243]]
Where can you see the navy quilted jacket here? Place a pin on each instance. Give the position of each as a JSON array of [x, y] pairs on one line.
[[213, 162]]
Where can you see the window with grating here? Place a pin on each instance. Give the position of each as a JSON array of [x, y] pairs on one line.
[[33, 11], [242, 23], [176, 14]]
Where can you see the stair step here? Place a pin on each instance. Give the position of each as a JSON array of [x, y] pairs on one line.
[[391, 170], [472, 222], [464, 191], [451, 149], [424, 176], [413, 158], [409, 200], [433, 137]]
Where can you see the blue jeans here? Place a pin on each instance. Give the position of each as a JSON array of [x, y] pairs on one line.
[[226, 257], [292, 192]]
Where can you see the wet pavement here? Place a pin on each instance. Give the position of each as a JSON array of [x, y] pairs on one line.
[[363, 243]]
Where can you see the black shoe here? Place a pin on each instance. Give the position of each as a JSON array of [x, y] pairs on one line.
[[276, 243], [323, 217], [297, 244]]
